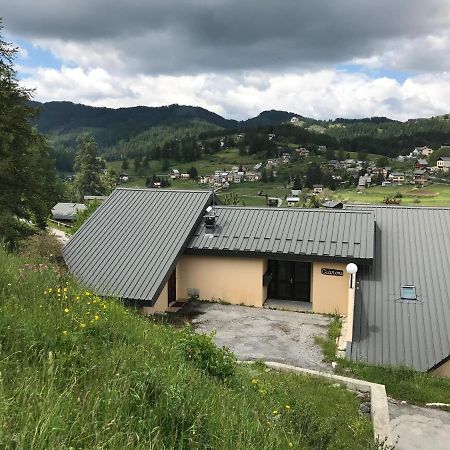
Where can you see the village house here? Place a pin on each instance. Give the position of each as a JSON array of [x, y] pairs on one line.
[[421, 177], [443, 163], [317, 188], [185, 176], [421, 163], [252, 176], [303, 152], [397, 178], [174, 174], [67, 212], [123, 177], [292, 201], [347, 261], [364, 181], [420, 151]]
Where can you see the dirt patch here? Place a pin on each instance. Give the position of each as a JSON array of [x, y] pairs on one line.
[[423, 193]]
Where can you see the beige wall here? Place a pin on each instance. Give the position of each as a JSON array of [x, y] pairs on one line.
[[160, 305], [443, 371], [329, 293], [234, 280]]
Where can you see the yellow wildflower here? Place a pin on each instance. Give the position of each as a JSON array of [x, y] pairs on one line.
[[59, 290], [40, 306], [87, 293], [65, 289], [65, 332], [254, 381], [287, 406], [290, 444], [96, 317], [66, 310], [82, 325], [77, 297], [45, 292], [274, 412], [49, 290]]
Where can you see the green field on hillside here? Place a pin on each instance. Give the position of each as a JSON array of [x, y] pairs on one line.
[[83, 372], [432, 195]]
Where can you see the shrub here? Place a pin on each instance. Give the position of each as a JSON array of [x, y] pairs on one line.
[[200, 349], [41, 246], [398, 195]]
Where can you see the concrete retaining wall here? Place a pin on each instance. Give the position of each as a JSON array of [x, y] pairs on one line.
[[378, 399]]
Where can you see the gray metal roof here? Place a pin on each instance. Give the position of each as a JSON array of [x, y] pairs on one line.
[[412, 248], [285, 231], [67, 211], [130, 245]]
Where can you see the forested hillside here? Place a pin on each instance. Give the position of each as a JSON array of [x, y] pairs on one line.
[[185, 133]]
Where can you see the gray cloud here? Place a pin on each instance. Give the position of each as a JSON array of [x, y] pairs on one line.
[[200, 36]]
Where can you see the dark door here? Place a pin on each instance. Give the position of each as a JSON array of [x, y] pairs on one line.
[[290, 280], [172, 287]]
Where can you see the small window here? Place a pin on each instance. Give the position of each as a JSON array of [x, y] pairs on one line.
[[408, 292]]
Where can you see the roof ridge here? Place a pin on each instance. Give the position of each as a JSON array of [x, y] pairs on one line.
[[268, 208], [163, 190]]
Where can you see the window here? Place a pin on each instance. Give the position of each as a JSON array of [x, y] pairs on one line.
[[408, 293]]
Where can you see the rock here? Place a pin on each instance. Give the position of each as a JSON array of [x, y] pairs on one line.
[[334, 364], [364, 408]]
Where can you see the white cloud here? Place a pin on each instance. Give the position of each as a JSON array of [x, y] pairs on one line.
[[322, 94]]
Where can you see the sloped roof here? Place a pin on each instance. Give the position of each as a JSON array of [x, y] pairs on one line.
[[130, 245], [67, 211], [412, 248], [307, 233]]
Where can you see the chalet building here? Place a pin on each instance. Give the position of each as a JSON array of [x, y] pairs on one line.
[[364, 181], [152, 248], [421, 164], [174, 174], [397, 178], [421, 177], [443, 163], [317, 188]]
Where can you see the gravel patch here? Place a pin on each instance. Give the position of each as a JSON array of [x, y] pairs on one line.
[[257, 333]]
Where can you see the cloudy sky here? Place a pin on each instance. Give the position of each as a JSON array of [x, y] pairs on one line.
[[318, 58]]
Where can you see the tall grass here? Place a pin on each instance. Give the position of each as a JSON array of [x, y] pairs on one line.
[[81, 372]]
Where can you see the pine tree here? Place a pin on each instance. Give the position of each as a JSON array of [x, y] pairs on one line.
[[29, 185], [87, 167]]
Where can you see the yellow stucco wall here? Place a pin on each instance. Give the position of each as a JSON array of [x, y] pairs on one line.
[[160, 305], [443, 371], [329, 294], [234, 280]]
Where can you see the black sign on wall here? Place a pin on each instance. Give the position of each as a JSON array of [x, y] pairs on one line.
[[332, 272]]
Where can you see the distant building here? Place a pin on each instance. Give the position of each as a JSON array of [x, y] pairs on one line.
[[364, 181], [123, 177], [397, 178], [421, 177], [185, 176], [67, 211], [292, 201], [174, 174], [333, 204], [443, 163], [421, 163], [317, 188], [98, 198]]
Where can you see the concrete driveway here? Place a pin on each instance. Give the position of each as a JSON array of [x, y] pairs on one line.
[[256, 333], [419, 428]]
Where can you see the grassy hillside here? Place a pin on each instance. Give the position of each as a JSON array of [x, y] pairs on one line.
[[82, 372], [433, 195]]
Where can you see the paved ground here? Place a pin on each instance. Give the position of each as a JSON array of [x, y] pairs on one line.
[[256, 333], [419, 428], [59, 234]]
